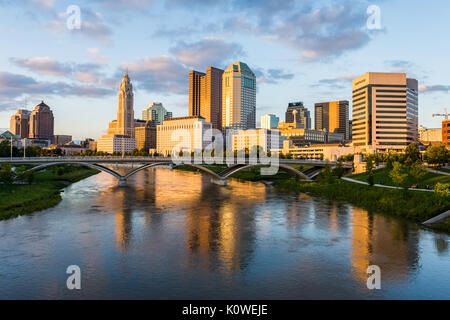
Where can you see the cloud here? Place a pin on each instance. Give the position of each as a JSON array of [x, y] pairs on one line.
[[43, 65], [271, 76], [162, 74], [400, 66], [13, 86], [434, 88], [316, 31], [207, 52], [340, 82]]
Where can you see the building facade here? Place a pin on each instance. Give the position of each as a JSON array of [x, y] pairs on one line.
[[62, 139], [155, 111], [329, 152], [120, 133], [188, 133], [301, 136], [205, 95], [238, 97], [269, 121], [333, 117], [265, 139], [430, 136], [297, 113], [146, 136], [42, 123], [20, 123], [384, 111], [116, 144], [125, 112], [446, 133]]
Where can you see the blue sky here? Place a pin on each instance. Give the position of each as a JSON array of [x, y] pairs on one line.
[[300, 51]]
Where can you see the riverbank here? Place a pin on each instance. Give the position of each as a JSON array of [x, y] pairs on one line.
[[414, 205], [44, 193]]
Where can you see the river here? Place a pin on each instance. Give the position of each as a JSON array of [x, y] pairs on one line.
[[175, 235]]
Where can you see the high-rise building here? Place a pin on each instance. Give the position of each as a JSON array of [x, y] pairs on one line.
[[146, 136], [385, 111], [155, 111], [125, 112], [20, 123], [332, 117], [297, 113], [269, 121], [205, 95], [62, 139], [42, 123], [120, 133], [195, 127], [430, 136], [238, 97]]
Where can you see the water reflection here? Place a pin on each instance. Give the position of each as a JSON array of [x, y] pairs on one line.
[[173, 234]]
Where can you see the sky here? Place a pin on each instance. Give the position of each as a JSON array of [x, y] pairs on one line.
[[299, 50]]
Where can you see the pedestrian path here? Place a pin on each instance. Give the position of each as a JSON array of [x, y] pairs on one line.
[[438, 172], [382, 185]]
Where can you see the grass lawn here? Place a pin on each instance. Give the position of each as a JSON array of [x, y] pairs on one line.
[[42, 194], [381, 176]]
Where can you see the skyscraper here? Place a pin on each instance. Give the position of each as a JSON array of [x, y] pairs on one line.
[[120, 133], [239, 97], [333, 117], [125, 112], [269, 121], [20, 123], [155, 111], [385, 111], [297, 113], [42, 122], [205, 95]]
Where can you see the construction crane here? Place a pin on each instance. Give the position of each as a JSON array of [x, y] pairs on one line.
[[445, 114]]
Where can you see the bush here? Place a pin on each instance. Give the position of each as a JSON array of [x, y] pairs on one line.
[[6, 174]]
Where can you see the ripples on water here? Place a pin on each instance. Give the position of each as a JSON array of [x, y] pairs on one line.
[[174, 235]]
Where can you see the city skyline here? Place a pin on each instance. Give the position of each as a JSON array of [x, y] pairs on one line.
[[78, 71]]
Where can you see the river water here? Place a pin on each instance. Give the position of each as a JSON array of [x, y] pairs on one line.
[[175, 235]]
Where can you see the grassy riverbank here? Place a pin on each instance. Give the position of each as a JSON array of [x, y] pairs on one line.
[[414, 205], [45, 192], [381, 176]]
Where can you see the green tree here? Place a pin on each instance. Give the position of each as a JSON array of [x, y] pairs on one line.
[[326, 175], [437, 155], [417, 171], [371, 179], [338, 171], [398, 175], [412, 154], [441, 192], [6, 174], [389, 163]]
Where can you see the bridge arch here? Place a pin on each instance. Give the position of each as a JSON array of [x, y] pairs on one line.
[[146, 166], [86, 164], [232, 170]]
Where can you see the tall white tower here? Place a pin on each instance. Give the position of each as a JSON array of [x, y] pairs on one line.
[[125, 113]]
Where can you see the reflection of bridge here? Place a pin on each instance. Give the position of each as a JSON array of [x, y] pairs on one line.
[[152, 162]]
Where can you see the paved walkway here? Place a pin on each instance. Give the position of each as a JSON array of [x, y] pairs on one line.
[[438, 172], [382, 185]]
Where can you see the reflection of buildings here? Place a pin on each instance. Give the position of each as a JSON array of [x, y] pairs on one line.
[[377, 240]]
